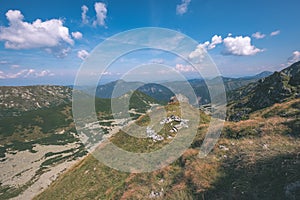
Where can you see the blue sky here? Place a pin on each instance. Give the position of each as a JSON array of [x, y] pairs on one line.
[[45, 42]]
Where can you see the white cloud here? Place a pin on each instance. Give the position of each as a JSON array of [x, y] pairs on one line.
[[204, 45], [275, 33], [44, 73], [18, 74], [77, 35], [26, 73], [49, 34], [184, 68], [214, 41], [14, 66], [294, 58], [199, 53], [84, 18], [101, 13], [258, 35], [59, 51], [183, 7], [82, 54], [2, 62], [239, 46], [2, 75], [107, 73]]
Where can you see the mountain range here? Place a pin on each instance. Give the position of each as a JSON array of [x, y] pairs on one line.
[[256, 156], [164, 91], [17, 99]]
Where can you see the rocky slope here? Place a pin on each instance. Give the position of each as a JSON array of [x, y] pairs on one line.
[[277, 88], [15, 100]]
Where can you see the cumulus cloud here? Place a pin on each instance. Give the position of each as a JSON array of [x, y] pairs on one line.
[[26, 73], [51, 34], [294, 58], [77, 35], [101, 12], [258, 35], [204, 45], [199, 53], [82, 54], [184, 68], [239, 46], [214, 41], [275, 33], [183, 7], [84, 17]]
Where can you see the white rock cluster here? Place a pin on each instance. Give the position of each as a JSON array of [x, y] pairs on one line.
[[152, 134]]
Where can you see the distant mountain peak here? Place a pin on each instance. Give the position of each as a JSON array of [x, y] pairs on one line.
[[263, 74]]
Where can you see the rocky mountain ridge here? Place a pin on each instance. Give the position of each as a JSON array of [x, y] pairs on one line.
[[277, 88], [17, 99], [164, 91]]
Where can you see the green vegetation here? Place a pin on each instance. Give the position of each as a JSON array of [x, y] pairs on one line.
[[91, 173], [2, 152], [265, 179], [51, 125], [47, 119], [20, 99], [141, 102], [105, 123], [277, 88], [254, 159], [7, 192]]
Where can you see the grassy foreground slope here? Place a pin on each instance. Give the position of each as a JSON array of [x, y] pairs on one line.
[[258, 158]]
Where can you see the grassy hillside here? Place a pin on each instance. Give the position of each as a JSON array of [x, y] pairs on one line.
[[277, 88], [254, 159]]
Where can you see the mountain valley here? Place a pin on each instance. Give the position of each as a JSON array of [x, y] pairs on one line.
[[256, 157]]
